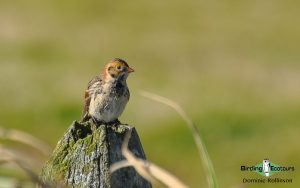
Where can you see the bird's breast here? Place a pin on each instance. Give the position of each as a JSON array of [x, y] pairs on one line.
[[108, 104]]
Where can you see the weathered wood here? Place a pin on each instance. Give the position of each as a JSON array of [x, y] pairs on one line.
[[83, 156]]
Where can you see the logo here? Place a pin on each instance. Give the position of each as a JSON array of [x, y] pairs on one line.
[[267, 169]]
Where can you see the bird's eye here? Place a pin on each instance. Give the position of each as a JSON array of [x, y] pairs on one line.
[[119, 67]]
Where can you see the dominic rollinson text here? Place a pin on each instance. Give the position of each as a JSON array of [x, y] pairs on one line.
[[268, 180]]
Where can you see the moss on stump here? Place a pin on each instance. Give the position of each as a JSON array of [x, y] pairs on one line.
[[83, 156]]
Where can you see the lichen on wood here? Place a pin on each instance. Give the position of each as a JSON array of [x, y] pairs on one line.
[[83, 156]]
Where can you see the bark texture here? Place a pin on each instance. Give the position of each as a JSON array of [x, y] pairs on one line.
[[83, 156]]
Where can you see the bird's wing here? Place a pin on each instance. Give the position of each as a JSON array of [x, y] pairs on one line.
[[128, 96], [95, 82]]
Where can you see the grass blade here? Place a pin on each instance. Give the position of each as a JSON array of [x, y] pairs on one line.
[[148, 170], [24, 138], [209, 169]]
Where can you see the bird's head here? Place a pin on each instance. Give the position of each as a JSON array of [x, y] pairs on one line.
[[117, 69]]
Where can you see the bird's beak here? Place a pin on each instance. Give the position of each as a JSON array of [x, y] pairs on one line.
[[130, 70]]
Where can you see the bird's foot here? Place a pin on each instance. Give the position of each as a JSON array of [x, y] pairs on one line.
[[114, 123], [96, 121]]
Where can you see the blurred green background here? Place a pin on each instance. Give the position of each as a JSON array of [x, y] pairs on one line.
[[232, 65]]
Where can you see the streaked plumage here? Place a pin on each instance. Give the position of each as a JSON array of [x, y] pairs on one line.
[[107, 94]]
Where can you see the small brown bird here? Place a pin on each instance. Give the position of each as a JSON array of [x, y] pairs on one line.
[[107, 94]]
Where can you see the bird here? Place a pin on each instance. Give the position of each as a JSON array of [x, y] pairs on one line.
[[107, 94]]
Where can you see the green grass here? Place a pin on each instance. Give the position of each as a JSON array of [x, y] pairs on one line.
[[232, 65]]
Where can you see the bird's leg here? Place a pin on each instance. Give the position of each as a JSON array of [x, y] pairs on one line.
[[96, 122]]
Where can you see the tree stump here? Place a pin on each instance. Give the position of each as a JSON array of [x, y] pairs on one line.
[[82, 158]]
